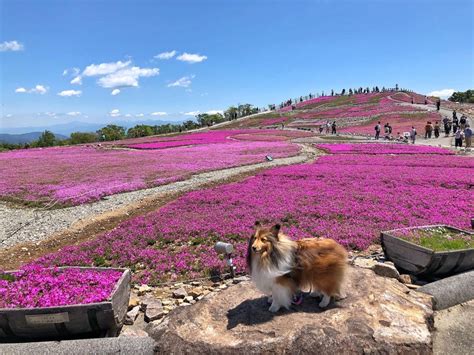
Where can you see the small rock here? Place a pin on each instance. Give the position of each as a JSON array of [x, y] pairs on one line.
[[132, 332], [143, 289], [188, 298], [133, 302], [132, 315], [223, 287], [196, 292], [404, 278], [236, 280], [166, 302], [185, 304], [154, 310], [24, 249], [386, 270], [180, 293], [364, 263], [195, 283], [192, 302]]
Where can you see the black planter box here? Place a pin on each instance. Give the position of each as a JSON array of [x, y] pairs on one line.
[[103, 319], [417, 260]]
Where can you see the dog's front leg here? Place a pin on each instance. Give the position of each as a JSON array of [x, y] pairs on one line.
[[281, 297]]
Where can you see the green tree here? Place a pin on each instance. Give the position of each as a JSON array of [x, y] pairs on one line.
[[83, 137], [47, 139], [140, 131], [466, 96], [111, 133]]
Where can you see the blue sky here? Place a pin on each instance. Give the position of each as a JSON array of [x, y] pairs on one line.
[[231, 52]]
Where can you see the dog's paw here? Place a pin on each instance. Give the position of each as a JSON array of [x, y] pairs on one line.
[[325, 301], [270, 299], [274, 308]]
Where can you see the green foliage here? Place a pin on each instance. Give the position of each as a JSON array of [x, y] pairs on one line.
[[83, 137], [111, 133], [205, 119], [47, 139], [140, 131], [466, 96]]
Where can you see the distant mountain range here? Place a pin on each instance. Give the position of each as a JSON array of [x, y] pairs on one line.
[[65, 129], [24, 138]]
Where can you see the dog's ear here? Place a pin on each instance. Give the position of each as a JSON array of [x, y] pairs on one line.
[[257, 225], [275, 230]]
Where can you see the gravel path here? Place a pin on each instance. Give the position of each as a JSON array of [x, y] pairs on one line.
[[20, 225]]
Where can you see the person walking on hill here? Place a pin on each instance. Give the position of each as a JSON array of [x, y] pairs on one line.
[[413, 134], [436, 129], [328, 127], [438, 104], [455, 125], [445, 124], [428, 130], [458, 138], [333, 128], [377, 130], [468, 136], [455, 115], [462, 122]]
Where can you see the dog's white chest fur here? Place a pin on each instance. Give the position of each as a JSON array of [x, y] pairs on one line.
[[263, 279]]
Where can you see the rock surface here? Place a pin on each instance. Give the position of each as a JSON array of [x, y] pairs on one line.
[[154, 310], [386, 269], [379, 315]]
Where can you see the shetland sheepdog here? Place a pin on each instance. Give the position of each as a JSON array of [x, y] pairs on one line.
[[280, 266]]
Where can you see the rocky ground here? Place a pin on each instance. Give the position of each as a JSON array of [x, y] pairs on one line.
[[383, 312]]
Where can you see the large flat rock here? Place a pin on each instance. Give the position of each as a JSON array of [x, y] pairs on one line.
[[378, 316]]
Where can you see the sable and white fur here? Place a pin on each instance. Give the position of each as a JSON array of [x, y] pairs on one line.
[[280, 267]]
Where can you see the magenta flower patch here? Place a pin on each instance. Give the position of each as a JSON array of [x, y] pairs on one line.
[[34, 287]]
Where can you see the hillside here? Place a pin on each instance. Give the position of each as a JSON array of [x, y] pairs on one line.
[[355, 114]]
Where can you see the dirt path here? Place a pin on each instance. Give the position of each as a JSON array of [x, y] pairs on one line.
[[47, 231]]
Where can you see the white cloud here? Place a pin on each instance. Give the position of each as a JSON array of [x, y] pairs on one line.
[[104, 68], [8, 115], [444, 93], [127, 77], [38, 89], [192, 113], [213, 112], [77, 80], [73, 71], [115, 92], [191, 58], [183, 82], [114, 113], [158, 113], [165, 55], [69, 93], [11, 46], [128, 115], [139, 115], [73, 113]]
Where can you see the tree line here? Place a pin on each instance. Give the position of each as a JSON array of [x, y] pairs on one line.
[[463, 97]]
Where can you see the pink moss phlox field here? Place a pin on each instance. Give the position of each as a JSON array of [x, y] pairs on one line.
[[186, 139], [347, 197], [382, 148], [210, 137], [34, 286], [76, 175]]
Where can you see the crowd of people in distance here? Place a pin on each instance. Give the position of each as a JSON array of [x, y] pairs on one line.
[[462, 132]]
